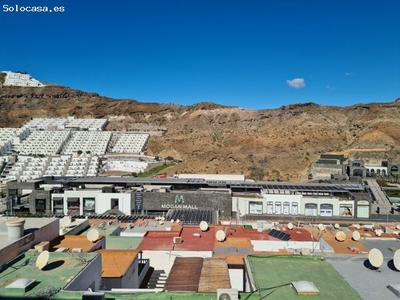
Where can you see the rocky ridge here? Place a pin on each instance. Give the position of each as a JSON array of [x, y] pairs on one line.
[[209, 138]]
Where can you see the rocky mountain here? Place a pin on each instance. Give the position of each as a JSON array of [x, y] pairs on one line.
[[209, 138]]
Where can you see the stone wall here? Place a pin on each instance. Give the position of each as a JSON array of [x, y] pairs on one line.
[[222, 202]]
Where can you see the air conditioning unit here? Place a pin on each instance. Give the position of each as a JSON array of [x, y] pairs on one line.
[[177, 240], [227, 294]]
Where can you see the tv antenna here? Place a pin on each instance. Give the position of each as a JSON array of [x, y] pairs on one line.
[[203, 226], [220, 235], [356, 235], [396, 259], [92, 235], [340, 236], [375, 258], [42, 260]]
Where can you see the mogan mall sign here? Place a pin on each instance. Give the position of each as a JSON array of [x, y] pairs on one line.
[[179, 203]]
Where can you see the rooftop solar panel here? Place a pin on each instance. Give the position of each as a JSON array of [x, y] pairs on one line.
[[279, 235]]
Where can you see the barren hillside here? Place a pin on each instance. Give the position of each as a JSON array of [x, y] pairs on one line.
[[208, 138]]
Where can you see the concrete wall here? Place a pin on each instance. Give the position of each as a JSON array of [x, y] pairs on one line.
[[103, 202], [276, 245], [89, 277], [40, 194], [129, 280], [44, 233]]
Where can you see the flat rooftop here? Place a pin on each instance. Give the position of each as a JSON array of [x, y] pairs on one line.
[[75, 241], [31, 224], [115, 263], [104, 229], [370, 283], [60, 268], [122, 242], [272, 274]]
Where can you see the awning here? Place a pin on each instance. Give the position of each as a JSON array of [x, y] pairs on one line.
[[58, 199], [74, 199]]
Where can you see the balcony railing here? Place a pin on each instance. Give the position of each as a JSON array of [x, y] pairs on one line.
[[143, 267]]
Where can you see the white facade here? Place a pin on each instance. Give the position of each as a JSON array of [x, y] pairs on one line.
[[125, 165], [275, 246], [84, 202], [285, 204], [18, 79], [131, 143]]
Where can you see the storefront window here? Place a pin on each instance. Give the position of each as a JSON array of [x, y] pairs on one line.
[[346, 210], [88, 205], [278, 208], [295, 208], [311, 209], [40, 205], [286, 208], [255, 208]]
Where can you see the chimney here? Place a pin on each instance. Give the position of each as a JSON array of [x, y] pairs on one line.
[[15, 228]]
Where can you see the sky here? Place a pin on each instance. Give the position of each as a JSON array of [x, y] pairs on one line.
[[252, 54]]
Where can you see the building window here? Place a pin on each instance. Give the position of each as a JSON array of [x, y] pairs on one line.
[[255, 208], [13, 192], [58, 206], [286, 208], [295, 208], [73, 205], [346, 210], [311, 209], [326, 210], [114, 203], [88, 205], [40, 205], [277, 208], [270, 207]]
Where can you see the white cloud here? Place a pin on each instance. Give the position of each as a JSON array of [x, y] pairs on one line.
[[296, 83], [349, 74], [331, 88]]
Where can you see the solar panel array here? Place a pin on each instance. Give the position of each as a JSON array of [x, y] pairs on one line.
[[280, 235], [327, 188]]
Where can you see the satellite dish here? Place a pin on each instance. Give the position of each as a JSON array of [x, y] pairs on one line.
[[357, 226], [161, 222], [177, 220], [321, 227], [378, 232], [356, 235], [92, 235], [336, 226], [396, 259], [203, 226], [101, 225], [65, 222], [375, 257], [220, 236], [290, 226], [398, 226], [42, 260], [172, 221], [340, 236]]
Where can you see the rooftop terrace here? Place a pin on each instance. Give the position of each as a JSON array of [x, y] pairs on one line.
[[273, 275], [62, 267]]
